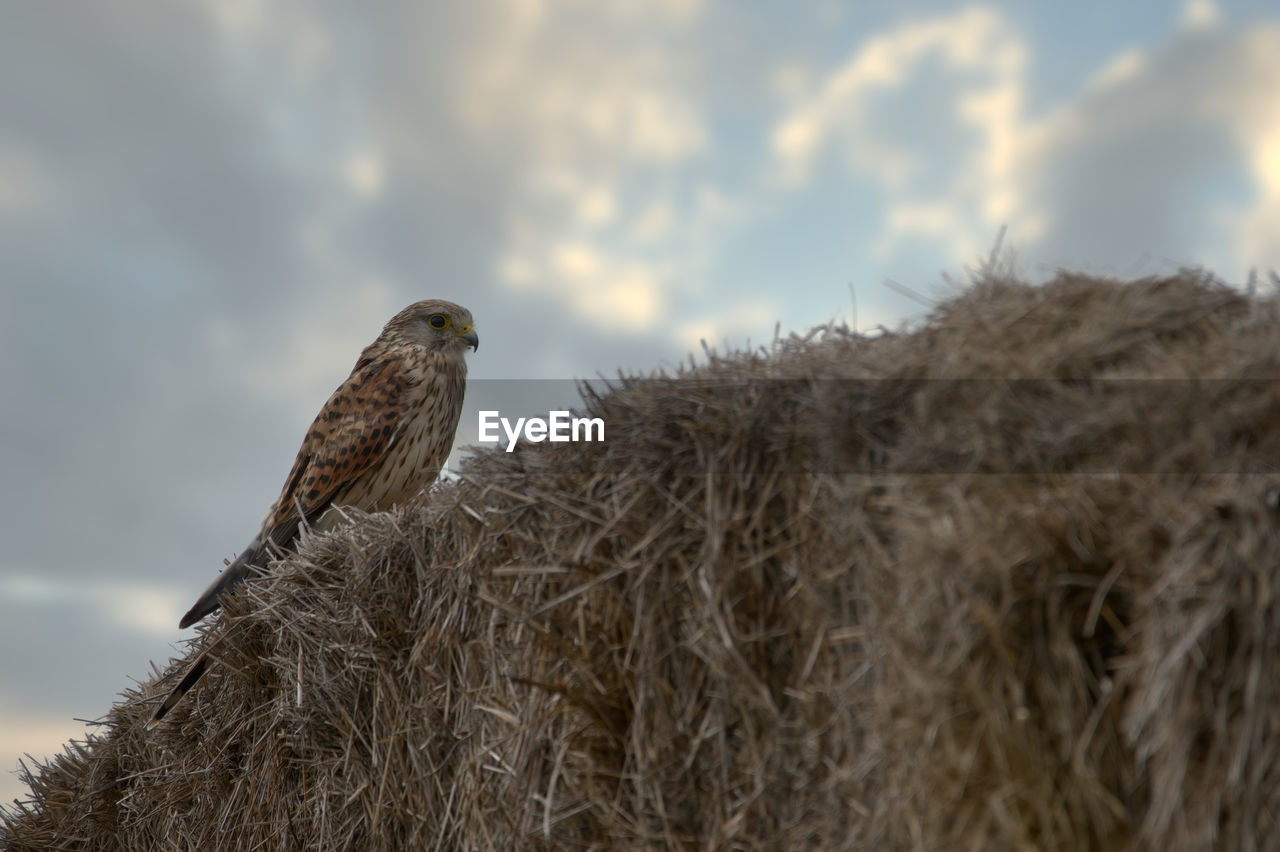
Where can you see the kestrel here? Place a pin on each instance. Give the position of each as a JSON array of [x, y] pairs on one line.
[[379, 440]]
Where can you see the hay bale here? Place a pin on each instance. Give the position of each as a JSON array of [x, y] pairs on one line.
[[1005, 581]]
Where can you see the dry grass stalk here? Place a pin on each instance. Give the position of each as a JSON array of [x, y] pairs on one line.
[[821, 596]]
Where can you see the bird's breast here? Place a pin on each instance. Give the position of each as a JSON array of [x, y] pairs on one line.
[[419, 447]]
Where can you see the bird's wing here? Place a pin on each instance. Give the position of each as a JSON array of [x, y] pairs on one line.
[[350, 435]]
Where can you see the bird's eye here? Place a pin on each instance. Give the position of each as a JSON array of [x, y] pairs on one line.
[[437, 320]]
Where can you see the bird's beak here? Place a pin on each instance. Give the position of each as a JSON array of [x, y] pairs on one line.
[[471, 338]]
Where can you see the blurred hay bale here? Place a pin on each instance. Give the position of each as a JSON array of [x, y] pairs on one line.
[[1005, 581]]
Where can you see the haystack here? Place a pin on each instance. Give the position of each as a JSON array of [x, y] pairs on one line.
[[1006, 580]]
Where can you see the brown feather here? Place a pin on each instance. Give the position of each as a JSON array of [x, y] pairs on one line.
[[381, 437]]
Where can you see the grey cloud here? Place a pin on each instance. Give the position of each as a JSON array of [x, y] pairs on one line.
[[1129, 174], [187, 231]]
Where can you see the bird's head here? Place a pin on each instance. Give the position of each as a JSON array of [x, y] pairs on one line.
[[435, 324]]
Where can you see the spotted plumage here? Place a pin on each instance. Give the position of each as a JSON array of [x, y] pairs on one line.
[[380, 439]]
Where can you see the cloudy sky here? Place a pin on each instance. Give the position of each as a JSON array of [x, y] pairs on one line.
[[208, 208]]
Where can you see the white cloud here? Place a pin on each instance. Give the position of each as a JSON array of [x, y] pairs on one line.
[[298, 39], [954, 176], [838, 113], [365, 173], [239, 17], [139, 607], [652, 223], [578, 91], [605, 123], [610, 293], [790, 81], [1254, 113], [941, 221], [586, 199], [1139, 163], [754, 319], [1125, 67], [38, 736], [1148, 160], [1200, 14], [676, 11]]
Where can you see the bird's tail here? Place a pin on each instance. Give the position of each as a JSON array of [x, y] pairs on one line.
[[247, 564], [193, 674]]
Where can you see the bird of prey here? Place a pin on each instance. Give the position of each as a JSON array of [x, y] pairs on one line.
[[379, 440]]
